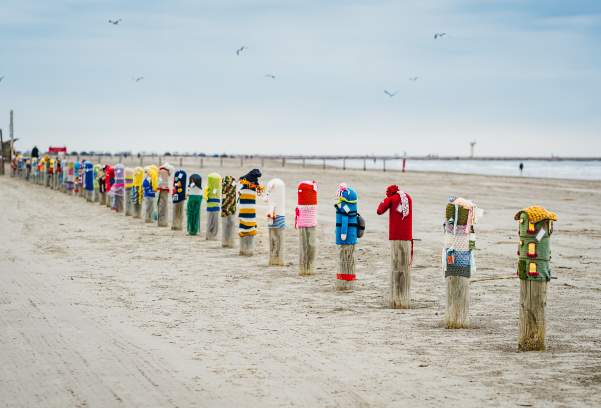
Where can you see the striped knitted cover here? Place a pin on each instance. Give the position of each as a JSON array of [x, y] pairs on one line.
[[117, 188], [129, 177], [278, 222], [213, 192], [248, 212], [228, 196]]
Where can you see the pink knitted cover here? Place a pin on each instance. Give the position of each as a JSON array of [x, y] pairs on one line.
[[306, 216]]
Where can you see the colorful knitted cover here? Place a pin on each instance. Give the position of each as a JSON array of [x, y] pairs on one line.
[[88, 176], [50, 166], [275, 195], [306, 211], [129, 177], [147, 184], [76, 176], [249, 186], [459, 237], [137, 192], [179, 186], [164, 174], [346, 215], [97, 173], [535, 226], [228, 196], [117, 188], [213, 192], [70, 175], [109, 178]]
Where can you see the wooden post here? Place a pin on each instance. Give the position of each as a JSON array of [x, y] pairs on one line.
[[533, 299], [148, 209], [346, 267], [163, 208], [283, 162], [400, 275], [263, 162], [344, 163], [202, 162], [324, 164], [141, 161], [178, 216], [247, 245], [212, 225], [2, 154], [221, 161], [228, 230], [129, 205], [241, 161], [102, 200], [458, 302], [308, 249], [180, 161], [384, 165], [303, 162], [118, 203], [276, 246]]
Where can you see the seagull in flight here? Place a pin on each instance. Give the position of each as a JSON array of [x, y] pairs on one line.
[[390, 94], [239, 50], [270, 76], [115, 22], [414, 78], [138, 79], [439, 35]]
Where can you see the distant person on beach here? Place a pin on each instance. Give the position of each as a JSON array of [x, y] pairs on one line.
[[35, 152], [521, 168]]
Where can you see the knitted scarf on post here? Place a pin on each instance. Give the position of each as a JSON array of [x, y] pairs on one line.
[[248, 199], [228, 196]]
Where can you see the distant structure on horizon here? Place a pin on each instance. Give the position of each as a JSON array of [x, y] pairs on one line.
[[472, 145]]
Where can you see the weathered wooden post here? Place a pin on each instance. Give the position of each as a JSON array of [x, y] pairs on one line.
[[88, 180], [47, 171], [275, 194], [347, 224], [213, 195], [118, 188], [459, 261], [149, 185], [400, 233], [249, 188], [384, 165], [109, 180], [303, 162], [305, 220], [137, 192], [228, 211], [220, 161], [241, 161], [202, 162], [344, 163], [195, 193], [129, 186], [324, 164], [534, 254], [163, 202], [50, 171], [178, 197]]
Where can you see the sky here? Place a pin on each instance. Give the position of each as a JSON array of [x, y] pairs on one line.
[[519, 77]]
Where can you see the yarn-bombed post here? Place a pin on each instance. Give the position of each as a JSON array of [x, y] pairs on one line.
[[102, 186], [195, 194], [305, 220], [275, 195], [178, 198], [109, 180], [97, 171], [459, 262], [129, 185], [535, 226], [213, 197], [163, 187], [400, 233], [88, 180], [249, 188], [137, 192], [118, 187], [346, 236], [149, 186], [228, 211]]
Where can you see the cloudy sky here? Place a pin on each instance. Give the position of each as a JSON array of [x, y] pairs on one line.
[[517, 76]]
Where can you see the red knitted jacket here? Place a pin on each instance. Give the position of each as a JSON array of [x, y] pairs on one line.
[[399, 228]]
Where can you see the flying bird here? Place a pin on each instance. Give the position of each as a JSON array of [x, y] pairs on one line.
[[413, 79], [270, 76], [390, 94], [115, 22], [138, 79], [439, 35], [239, 50]]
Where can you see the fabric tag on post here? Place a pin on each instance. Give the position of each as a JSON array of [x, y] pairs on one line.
[[345, 208], [540, 234]]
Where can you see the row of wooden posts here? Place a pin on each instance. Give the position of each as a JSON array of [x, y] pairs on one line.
[[532, 297]]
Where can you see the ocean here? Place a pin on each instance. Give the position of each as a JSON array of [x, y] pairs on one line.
[[562, 169]]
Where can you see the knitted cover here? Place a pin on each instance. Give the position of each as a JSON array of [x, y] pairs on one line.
[[117, 188], [275, 194], [213, 192], [97, 173], [88, 176], [228, 196], [137, 191], [179, 186], [76, 175], [535, 226], [193, 214], [70, 175], [148, 184], [109, 178], [346, 215], [247, 213], [306, 210], [459, 239], [163, 181], [129, 177]]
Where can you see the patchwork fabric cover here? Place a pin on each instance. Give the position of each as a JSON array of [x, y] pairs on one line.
[[459, 238], [535, 226], [179, 186]]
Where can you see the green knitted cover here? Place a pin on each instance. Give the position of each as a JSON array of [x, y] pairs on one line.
[[463, 214], [542, 249], [214, 186]]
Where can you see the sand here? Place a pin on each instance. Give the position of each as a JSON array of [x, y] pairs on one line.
[[101, 310]]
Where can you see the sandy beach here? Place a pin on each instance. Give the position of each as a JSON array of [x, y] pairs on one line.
[[101, 310]]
